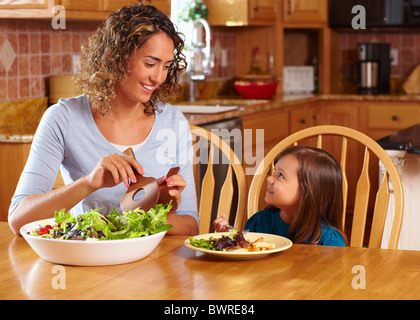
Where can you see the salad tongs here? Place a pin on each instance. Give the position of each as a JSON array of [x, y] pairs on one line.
[[154, 193]]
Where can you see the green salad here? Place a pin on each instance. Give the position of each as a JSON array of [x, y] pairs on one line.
[[234, 240], [95, 225]]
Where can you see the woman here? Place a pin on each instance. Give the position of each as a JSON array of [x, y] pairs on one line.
[[132, 62]]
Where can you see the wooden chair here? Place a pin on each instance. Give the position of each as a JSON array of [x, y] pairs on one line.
[[362, 188], [208, 185]]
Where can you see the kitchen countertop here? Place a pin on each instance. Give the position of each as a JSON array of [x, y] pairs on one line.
[[407, 139], [285, 101], [20, 118]]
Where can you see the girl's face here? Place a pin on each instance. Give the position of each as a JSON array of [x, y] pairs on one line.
[[148, 67], [283, 185]]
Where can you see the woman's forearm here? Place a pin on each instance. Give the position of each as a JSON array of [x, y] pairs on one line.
[[185, 225], [42, 206]]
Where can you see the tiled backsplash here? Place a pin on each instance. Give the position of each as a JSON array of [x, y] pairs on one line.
[[407, 44], [34, 51], [31, 51]]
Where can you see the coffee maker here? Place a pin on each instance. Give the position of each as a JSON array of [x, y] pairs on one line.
[[373, 68]]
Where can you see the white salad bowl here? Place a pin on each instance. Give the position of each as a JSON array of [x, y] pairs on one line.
[[89, 253]]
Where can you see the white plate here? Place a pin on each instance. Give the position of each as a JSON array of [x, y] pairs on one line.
[[89, 253], [281, 244], [204, 109]]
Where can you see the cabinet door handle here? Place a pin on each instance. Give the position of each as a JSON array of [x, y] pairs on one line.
[[394, 118], [302, 121], [291, 8]]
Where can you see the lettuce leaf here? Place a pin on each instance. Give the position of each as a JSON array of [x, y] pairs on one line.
[[150, 222], [203, 243], [95, 225], [63, 216]]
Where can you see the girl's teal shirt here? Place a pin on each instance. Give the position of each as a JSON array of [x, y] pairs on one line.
[[269, 221]]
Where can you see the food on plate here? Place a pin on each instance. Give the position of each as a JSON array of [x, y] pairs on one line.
[[235, 241], [95, 225]]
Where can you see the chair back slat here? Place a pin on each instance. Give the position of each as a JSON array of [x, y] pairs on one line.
[[319, 141], [228, 188], [361, 204], [362, 191], [343, 162], [206, 198], [226, 195], [379, 213]]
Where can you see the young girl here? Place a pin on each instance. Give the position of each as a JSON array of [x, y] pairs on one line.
[[305, 199], [131, 64]]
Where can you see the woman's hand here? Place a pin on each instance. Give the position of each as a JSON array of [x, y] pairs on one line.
[[220, 224], [112, 170], [176, 184]]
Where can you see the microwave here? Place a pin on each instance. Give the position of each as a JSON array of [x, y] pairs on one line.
[[379, 13]]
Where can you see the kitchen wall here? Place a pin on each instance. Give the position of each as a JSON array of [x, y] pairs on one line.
[[31, 51], [407, 44], [223, 38]]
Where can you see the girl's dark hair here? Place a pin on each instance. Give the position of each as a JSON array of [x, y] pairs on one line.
[[105, 58], [321, 196]]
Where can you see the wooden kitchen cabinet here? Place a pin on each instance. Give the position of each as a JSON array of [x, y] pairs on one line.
[[301, 118], [12, 161], [275, 125], [262, 10], [305, 11], [13, 158], [164, 5], [94, 5], [392, 116], [113, 5], [338, 113], [75, 9], [84, 9], [27, 9], [379, 119], [242, 12], [25, 4], [100, 9]]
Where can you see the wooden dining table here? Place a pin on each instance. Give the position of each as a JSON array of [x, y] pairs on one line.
[[174, 272]]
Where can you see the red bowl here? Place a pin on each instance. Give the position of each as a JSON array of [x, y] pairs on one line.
[[255, 90]]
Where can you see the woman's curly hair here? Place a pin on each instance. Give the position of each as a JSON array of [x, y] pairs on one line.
[[105, 58]]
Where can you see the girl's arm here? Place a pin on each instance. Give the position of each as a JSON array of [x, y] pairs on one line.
[[220, 224]]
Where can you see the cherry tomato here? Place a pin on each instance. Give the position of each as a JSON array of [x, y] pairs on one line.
[[41, 231]]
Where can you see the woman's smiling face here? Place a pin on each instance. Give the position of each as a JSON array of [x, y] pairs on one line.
[[148, 68], [283, 185]]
